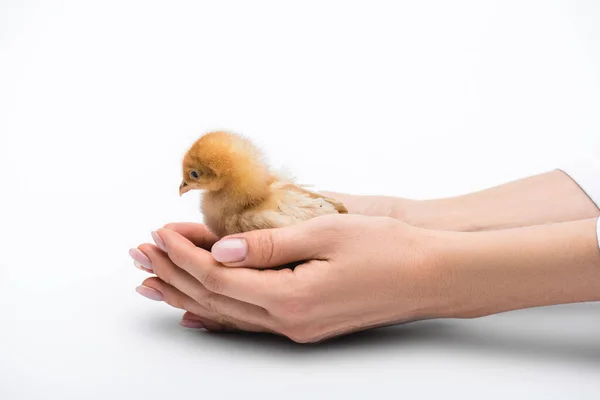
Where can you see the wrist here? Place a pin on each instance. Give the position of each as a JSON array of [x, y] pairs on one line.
[[483, 273], [430, 274], [436, 214]]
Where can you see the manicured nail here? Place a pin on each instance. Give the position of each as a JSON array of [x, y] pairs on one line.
[[140, 266], [158, 240], [191, 324], [149, 293], [140, 260], [230, 250]]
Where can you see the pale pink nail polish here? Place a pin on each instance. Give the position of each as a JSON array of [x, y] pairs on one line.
[[140, 266], [230, 250], [149, 293], [158, 240], [191, 324], [140, 258]]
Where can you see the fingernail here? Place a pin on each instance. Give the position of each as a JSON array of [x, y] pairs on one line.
[[149, 293], [158, 240], [230, 250], [191, 324], [140, 266], [140, 260]]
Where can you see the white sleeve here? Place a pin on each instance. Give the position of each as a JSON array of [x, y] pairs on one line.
[[587, 176], [598, 231]]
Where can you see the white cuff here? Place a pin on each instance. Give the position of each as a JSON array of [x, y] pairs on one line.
[[598, 231], [587, 176]]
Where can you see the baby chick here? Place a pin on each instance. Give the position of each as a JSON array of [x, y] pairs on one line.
[[241, 193]]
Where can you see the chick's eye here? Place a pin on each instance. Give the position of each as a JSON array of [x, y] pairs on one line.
[[194, 174]]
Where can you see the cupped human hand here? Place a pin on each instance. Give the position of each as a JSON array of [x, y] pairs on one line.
[[357, 272], [369, 205]]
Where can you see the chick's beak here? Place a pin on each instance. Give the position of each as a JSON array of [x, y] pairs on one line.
[[184, 187]]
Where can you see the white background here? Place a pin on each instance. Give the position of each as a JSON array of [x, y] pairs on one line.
[[99, 101]]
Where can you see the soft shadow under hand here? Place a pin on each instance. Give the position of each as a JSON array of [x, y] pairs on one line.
[[526, 334]]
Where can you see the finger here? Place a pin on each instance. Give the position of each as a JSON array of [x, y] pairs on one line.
[[267, 248], [212, 320], [203, 319], [193, 321], [154, 291], [246, 285], [199, 234], [214, 302], [198, 322]]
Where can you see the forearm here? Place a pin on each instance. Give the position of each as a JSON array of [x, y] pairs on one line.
[[547, 198], [484, 273]]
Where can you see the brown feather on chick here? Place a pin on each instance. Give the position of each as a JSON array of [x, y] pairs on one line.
[[240, 191]]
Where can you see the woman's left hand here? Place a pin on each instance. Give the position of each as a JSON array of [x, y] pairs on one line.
[[360, 272]]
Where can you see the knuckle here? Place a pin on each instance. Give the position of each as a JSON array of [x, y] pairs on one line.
[[199, 296], [176, 300], [211, 303], [179, 257], [227, 324], [212, 281], [264, 246], [165, 273], [187, 259]]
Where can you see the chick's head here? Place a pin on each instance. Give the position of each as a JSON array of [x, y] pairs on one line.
[[218, 160]]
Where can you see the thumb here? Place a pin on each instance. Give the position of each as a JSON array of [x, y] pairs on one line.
[[267, 248]]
